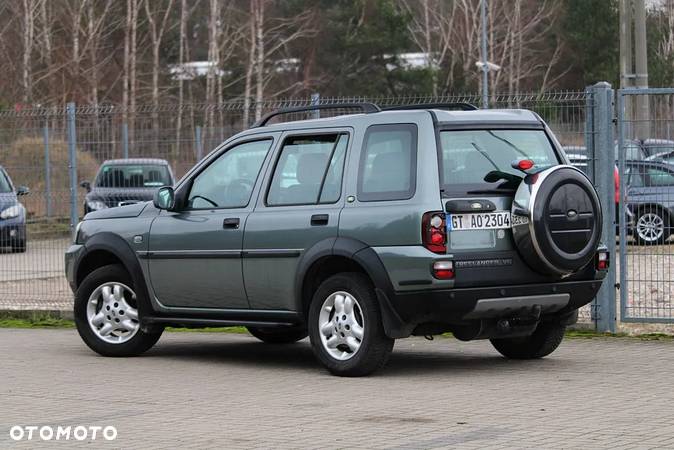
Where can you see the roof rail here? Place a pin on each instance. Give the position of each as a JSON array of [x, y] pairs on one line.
[[460, 106], [365, 107]]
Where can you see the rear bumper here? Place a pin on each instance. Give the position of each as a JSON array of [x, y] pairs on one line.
[[460, 306]]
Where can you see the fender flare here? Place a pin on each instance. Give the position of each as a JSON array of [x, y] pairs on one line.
[[367, 258], [116, 245]]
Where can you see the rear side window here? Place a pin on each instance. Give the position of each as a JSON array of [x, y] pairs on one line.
[[481, 159], [388, 163], [309, 170]]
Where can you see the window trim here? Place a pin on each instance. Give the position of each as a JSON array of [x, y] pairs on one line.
[[186, 208], [391, 195], [309, 134]]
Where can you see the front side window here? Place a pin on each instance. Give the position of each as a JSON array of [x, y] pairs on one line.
[[388, 163], [133, 176], [481, 159], [309, 170], [229, 180]]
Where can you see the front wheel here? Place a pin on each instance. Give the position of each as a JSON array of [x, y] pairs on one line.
[[542, 342], [345, 326], [106, 314], [278, 335]]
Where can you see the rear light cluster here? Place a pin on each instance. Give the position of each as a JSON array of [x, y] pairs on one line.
[[602, 261], [443, 270], [434, 232]]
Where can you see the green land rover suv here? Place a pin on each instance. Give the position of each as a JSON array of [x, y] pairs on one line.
[[355, 230]]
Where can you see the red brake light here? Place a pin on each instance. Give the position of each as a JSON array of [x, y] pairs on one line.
[[525, 164], [434, 231]]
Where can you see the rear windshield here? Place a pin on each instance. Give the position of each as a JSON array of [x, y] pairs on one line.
[[133, 176], [474, 160]]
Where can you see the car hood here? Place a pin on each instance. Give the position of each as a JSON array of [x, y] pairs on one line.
[[7, 199], [114, 196], [119, 212]]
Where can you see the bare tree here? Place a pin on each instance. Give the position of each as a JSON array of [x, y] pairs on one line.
[[157, 30], [29, 12]]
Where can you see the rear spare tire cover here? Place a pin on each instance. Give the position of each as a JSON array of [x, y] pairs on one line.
[[557, 220]]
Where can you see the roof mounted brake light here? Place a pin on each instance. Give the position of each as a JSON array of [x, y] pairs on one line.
[[523, 164]]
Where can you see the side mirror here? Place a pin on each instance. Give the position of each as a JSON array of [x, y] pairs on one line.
[[22, 190], [86, 185], [164, 198]]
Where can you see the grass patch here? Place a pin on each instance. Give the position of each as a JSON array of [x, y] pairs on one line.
[[36, 321]]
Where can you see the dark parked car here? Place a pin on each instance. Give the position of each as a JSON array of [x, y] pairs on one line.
[[12, 214], [650, 195], [126, 181]]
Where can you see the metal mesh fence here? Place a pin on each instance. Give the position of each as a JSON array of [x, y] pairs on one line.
[[646, 153], [34, 148]]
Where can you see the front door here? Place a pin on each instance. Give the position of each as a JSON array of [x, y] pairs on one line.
[[299, 208], [195, 252]]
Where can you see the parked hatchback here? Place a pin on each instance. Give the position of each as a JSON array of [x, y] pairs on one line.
[[650, 193], [12, 214], [355, 230], [125, 181]]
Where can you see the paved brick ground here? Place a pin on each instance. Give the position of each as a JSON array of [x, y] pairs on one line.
[[201, 390]]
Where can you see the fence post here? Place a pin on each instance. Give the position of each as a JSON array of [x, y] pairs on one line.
[[125, 140], [72, 166], [602, 130], [47, 170], [315, 100], [197, 137]]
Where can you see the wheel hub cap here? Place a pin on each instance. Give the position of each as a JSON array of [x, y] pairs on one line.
[[341, 325], [650, 227], [110, 315]]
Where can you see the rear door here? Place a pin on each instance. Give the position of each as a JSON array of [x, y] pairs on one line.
[[479, 184], [299, 206]]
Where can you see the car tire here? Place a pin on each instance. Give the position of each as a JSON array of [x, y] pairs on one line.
[[542, 342], [352, 343], [651, 227], [278, 335], [19, 247], [119, 308]]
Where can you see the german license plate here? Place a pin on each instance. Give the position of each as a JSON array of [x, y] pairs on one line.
[[479, 221]]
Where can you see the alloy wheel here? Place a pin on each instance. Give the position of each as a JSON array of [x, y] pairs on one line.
[[110, 315], [650, 227], [341, 325]]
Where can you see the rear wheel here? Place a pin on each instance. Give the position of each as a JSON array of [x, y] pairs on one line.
[[652, 227], [345, 326], [106, 314], [278, 335], [542, 342]]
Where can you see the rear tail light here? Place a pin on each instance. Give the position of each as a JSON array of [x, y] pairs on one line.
[[602, 262], [443, 270], [434, 232]]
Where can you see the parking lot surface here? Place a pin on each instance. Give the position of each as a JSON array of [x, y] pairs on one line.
[[222, 390]]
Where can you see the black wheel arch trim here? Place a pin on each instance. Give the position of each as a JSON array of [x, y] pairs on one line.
[[117, 246], [367, 258]]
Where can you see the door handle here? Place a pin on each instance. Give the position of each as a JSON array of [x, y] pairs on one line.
[[319, 219], [231, 222]]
